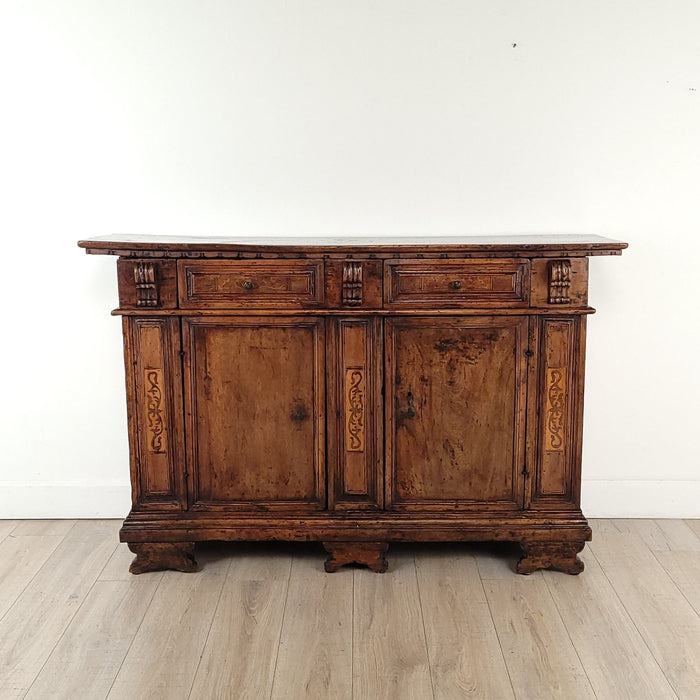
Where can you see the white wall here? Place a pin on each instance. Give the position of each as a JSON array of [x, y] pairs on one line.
[[346, 117]]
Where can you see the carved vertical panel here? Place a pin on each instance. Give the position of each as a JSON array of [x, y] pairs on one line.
[[146, 284], [154, 381], [153, 389], [352, 283], [355, 409], [558, 391], [559, 282], [354, 398], [555, 415]]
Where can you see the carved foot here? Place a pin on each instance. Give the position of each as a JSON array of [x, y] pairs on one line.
[[369, 553], [551, 555], [157, 556]]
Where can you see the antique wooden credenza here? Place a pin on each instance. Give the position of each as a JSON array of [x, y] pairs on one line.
[[356, 392]]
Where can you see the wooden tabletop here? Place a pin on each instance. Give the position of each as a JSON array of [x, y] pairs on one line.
[[559, 244]]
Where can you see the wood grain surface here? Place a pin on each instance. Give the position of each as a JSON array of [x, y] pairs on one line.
[[262, 620], [315, 389]]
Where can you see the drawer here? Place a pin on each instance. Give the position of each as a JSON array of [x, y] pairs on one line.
[[456, 283], [262, 284]]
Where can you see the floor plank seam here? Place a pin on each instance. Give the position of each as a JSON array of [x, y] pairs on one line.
[[673, 581], [21, 593], [695, 538], [568, 634], [10, 531], [109, 558], [279, 640], [352, 640], [69, 622], [634, 623], [495, 629], [425, 634], [136, 632], [211, 624]]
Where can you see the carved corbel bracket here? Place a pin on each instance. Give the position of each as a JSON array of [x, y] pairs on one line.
[[146, 285], [352, 283], [559, 282]]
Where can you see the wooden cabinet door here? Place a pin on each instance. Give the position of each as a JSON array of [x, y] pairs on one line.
[[254, 396], [455, 412]]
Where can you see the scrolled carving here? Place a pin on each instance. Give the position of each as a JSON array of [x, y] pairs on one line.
[[154, 411], [352, 283], [354, 410], [556, 409], [559, 282], [146, 287]]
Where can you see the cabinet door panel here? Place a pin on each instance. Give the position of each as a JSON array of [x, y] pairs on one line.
[[456, 395], [255, 394]]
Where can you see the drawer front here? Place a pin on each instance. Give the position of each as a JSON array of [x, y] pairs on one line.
[[262, 284], [456, 283]]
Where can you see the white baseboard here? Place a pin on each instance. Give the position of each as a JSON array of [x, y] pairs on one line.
[[640, 499], [599, 499], [21, 500]]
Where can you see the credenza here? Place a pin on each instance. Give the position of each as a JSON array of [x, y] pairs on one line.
[[355, 392]]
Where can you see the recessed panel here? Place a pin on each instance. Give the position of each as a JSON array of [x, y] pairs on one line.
[[457, 393], [256, 392]]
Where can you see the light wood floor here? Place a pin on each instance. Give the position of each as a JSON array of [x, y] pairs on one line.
[[265, 621]]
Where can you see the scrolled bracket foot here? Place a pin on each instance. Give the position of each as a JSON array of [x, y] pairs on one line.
[[160, 556], [560, 556], [370, 554]]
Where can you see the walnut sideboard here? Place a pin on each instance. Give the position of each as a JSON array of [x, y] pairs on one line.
[[356, 392]]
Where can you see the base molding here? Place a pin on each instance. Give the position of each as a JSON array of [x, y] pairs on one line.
[[507, 526], [166, 540]]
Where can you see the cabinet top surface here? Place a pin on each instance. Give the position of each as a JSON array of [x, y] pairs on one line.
[[184, 245]]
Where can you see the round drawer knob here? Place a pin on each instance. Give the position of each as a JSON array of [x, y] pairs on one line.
[[456, 284], [248, 284]]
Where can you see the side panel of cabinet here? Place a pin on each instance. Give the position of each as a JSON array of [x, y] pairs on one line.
[[354, 360], [455, 413], [557, 412], [155, 412], [255, 405]]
